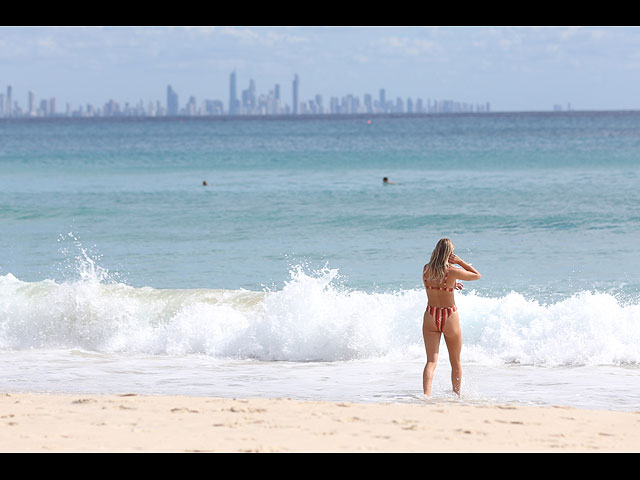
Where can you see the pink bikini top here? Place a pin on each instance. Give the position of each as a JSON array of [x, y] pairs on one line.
[[444, 288]]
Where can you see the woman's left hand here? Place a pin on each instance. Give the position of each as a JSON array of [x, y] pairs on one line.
[[454, 259]]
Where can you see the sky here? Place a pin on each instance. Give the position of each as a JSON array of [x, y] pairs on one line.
[[513, 68]]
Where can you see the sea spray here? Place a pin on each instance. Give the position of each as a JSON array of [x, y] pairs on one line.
[[315, 316], [588, 328], [311, 318]]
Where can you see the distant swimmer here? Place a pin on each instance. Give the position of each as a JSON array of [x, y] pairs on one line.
[[386, 181], [204, 183]]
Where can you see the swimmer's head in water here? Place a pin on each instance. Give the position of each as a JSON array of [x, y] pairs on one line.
[[385, 179]]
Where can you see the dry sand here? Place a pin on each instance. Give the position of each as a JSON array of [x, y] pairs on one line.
[[134, 423]]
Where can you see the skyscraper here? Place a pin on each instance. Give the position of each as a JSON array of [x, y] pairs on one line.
[[9, 108], [31, 103], [249, 98], [233, 98], [172, 101], [368, 103], [296, 84]]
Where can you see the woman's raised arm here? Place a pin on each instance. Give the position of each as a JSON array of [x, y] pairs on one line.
[[467, 272]]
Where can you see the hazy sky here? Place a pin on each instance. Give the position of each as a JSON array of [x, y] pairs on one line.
[[519, 68]]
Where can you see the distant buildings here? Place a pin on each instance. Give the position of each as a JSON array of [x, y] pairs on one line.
[[558, 108], [233, 97], [172, 101], [296, 85], [248, 103]]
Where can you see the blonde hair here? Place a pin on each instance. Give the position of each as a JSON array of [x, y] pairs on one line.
[[437, 267]]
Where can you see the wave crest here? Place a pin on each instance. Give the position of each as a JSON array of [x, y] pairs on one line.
[[312, 318]]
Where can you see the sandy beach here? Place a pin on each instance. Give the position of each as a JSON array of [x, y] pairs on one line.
[[135, 423]]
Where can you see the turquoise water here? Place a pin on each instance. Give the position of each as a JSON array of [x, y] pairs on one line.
[[297, 252]]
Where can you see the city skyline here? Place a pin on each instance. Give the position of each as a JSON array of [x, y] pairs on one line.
[[516, 69], [250, 102]]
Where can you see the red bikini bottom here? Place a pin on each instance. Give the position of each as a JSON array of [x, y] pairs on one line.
[[440, 315]]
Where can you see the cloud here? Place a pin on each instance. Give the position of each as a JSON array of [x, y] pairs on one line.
[[405, 47], [243, 35], [262, 37]]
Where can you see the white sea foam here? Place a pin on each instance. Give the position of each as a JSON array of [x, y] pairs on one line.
[[312, 318]]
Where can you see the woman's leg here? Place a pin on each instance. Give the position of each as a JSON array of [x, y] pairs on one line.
[[432, 345], [453, 339]]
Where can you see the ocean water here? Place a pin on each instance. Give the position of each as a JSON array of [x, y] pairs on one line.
[[296, 273]]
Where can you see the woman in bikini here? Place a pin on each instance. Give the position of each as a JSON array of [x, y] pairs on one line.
[[440, 278]]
